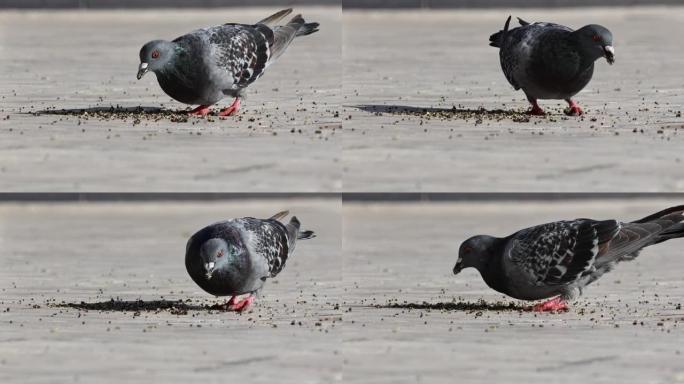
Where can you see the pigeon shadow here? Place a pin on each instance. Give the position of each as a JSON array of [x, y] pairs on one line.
[[177, 307], [446, 113], [459, 306], [112, 110]]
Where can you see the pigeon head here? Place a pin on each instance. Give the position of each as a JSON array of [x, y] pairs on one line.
[[474, 252], [216, 254], [595, 42], [154, 56]]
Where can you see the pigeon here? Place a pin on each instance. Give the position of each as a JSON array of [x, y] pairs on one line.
[[551, 61], [235, 257], [557, 260], [209, 64]]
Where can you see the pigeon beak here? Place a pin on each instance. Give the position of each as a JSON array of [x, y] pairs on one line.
[[609, 52], [142, 70], [458, 267], [210, 269]]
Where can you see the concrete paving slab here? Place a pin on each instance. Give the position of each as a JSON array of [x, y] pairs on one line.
[[53, 254], [629, 140], [398, 259], [285, 139]]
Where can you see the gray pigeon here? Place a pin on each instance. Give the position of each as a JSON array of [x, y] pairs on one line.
[[551, 61], [209, 64], [235, 257], [559, 259]]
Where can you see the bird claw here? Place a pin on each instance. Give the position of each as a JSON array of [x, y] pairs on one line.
[[202, 111], [554, 305], [574, 110], [232, 109], [239, 306], [536, 111]]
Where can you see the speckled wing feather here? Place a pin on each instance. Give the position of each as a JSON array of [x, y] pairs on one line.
[[267, 239], [242, 51], [562, 251]]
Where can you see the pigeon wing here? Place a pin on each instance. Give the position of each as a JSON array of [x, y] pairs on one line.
[[560, 252], [268, 239], [518, 46], [241, 51]]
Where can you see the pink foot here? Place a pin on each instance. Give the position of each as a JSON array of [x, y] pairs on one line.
[[232, 109], [557, 304], [239, 306], [202, 110], [574, 109], [536, 109]]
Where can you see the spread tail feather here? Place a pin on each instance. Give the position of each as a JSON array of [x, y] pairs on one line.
[[306, 235], [283, 35], [293, 233], [279, 215], [523, 22], [673, 232], [665, 212], [673, 220], [276, 17], [496, 39]]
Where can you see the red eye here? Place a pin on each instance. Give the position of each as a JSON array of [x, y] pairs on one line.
[[220, 253], [155, 54], [467, 249], [596, 38]]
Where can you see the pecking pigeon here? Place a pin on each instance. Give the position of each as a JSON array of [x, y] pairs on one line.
[[235, 257], [557, 260], [209, 64], [551, 61]]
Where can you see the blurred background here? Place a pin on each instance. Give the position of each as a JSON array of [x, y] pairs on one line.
[[345, 3], [157, 3]]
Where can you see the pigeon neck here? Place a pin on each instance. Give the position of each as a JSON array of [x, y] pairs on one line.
[[491, 267], [587, 53]]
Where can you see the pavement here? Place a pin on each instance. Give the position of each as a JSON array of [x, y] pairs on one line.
[[284, 140], [399, 63], [408, 319], [370, 300], [85, 255]]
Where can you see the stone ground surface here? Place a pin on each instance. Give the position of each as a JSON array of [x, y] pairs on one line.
[[441, 59], [627, 328], [284, 139], [69, 253]]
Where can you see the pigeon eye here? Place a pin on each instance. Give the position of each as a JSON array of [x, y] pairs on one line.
[[596, 38], [220, 253], [155, 54]]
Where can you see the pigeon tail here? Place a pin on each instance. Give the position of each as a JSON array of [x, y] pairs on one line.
[[496, 39], [279, 215], [665, 212], [276, 17], [283, 35], [673, 232], [304, 235], [293, 233], [674, 216]]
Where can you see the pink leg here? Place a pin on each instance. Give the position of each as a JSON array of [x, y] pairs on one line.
[[536, 109], [241, 305], [557, 304], [202, 110], [232, 109], [574, 109]]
